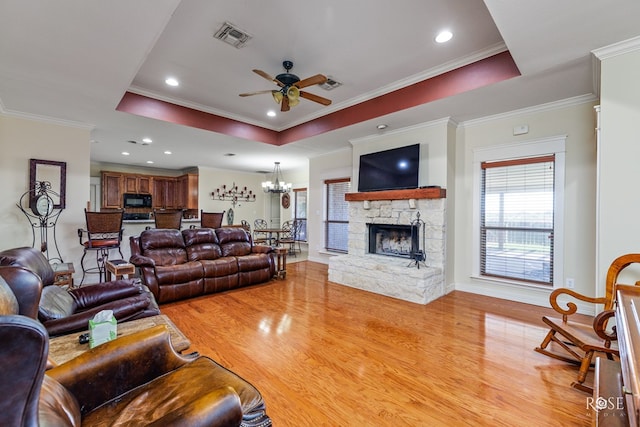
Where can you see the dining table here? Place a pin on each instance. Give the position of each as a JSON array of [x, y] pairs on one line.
[[270, 232]]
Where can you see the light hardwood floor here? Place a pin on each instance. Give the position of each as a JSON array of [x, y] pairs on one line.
[[323, 354]]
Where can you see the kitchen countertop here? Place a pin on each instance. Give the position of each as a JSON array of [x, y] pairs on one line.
[[151, 221]]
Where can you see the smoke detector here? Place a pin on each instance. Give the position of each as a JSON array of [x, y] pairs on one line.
[[232, 35]]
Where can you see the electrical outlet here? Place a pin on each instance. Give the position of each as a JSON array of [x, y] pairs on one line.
[[569, 283]]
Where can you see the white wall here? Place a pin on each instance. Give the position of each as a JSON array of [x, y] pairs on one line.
[[575, 119], [619, 227], [22, 139]]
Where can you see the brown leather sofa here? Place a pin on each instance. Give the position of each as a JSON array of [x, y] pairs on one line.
[[64, 311], [183, 264], [131, 381]]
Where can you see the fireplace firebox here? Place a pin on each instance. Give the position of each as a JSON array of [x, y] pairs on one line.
[[393, 240]]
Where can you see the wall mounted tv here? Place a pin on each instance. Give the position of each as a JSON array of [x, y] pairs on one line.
[[394, 169]]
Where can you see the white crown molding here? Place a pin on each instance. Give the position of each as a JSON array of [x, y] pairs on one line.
[[616, 49], [564, 103], [44, 119]]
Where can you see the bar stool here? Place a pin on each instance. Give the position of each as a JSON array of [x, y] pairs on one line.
[[103, 233]]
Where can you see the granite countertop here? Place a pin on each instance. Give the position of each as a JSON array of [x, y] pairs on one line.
[[151, 221]]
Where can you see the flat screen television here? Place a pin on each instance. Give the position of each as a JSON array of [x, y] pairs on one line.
[[394, 169]]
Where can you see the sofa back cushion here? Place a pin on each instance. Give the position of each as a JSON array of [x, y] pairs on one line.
[[201, 244], [164, 246], [31, 259], [234, 241]]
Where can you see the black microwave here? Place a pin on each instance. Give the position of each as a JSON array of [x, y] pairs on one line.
[[137, 200]]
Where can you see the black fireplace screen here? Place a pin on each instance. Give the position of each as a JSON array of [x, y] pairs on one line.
[[393, 240]]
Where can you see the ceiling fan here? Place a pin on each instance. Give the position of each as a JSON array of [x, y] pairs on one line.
[[289, 93]]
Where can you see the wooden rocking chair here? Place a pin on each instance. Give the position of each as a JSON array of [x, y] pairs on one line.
[[581, 341]]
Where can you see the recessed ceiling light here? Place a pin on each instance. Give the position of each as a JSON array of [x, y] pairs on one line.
[[150, 161], [444, 36], [382, 126], [167, 152], [271, 113], [147, 140], [125, 153], [172, 81], [229, 154]]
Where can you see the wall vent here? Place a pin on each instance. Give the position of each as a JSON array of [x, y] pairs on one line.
[[232, 35], [330, 84]]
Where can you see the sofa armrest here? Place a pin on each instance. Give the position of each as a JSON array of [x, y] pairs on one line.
[[113, 368], [142, 261]]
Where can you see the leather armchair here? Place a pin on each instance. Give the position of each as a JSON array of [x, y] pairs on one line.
[[64, 311], [134, 380]]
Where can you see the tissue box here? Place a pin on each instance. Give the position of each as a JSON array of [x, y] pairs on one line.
[[102, 328]]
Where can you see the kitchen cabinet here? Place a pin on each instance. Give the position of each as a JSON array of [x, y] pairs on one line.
[[112, 189], [140, 184], [164, 192], [187, 191], [167, 192]]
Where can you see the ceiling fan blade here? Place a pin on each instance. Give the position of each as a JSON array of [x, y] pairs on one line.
[[285, 104], [268, 77], [318, 79], [256, 93], [315, 98]]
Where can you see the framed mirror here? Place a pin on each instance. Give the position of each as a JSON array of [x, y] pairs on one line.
[[52, 172]]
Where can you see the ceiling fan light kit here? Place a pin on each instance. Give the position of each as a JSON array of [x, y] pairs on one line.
[[276, 184], [289, 93]]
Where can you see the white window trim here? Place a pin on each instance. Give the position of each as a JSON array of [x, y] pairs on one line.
[[538, 147]]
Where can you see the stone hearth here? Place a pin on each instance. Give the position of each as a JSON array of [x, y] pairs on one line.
[[387, 275]]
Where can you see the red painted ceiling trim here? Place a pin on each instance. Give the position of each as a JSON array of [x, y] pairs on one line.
[[482, 73], [161, 110]]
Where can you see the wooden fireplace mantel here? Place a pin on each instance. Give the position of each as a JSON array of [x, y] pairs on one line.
[[415, 193]]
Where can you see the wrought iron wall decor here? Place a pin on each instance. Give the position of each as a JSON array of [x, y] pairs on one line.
[[233, 194], [39, 206]]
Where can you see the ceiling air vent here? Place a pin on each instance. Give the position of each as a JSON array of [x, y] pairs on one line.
[[232, 35], [330, 84]]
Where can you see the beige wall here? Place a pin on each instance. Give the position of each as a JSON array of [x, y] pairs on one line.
[[22, 139], [619, 156], [578, 123]]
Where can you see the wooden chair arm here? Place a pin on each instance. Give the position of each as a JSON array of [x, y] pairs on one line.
[[600, 326], [571, 306]]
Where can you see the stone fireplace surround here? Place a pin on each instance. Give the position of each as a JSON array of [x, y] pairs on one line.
[[387, 275]]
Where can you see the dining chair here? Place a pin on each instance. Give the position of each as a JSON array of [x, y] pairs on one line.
[[211, 219], [260, 237], [168, 218], [102, 234], [288, 236]]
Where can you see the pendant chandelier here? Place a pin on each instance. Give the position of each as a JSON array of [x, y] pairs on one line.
[[276, 184]]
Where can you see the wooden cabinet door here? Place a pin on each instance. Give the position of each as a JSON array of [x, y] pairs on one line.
[[112, 186], [188, 191], [144, 184], [130, 183], [164, 192], [171, 201]]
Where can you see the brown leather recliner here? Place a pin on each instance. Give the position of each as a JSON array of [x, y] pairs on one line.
[[64, 311], [134, 380]]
